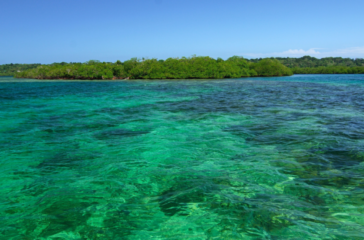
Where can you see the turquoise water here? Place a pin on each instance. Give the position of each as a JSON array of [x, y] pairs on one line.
[[252, 158]]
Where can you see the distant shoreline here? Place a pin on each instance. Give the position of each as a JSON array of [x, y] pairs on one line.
[[172, 68], [185, 68]]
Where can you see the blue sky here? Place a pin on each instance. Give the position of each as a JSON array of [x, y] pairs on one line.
[[46, 31]]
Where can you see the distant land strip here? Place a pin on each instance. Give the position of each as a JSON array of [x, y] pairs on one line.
[[186, 68]]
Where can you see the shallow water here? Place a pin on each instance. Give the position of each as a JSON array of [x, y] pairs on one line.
[[252, 158]]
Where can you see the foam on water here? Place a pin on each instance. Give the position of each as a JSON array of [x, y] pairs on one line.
[[260, 158]]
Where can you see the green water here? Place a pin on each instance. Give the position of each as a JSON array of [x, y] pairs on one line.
[[253, 158]]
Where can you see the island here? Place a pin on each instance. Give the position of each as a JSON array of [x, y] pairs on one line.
[[188, 68]]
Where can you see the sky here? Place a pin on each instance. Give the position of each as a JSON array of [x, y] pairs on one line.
[[44, 31]]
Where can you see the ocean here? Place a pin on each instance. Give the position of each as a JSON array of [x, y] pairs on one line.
[[248, 158]]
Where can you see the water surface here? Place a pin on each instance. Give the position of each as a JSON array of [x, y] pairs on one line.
[[251, 158]]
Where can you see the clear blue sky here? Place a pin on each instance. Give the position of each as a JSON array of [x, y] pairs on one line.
[[46, 31]]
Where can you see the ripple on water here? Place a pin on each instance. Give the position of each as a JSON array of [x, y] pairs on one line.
[[263, 158]]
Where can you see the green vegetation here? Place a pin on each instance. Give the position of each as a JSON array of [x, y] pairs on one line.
[[172, 68], [329, 70], [186, 68], [270, 67], [89, 70], [310, 62], [11, 69], [312, 65]]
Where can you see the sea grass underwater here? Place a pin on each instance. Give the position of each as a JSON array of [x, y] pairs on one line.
[[246, 158]]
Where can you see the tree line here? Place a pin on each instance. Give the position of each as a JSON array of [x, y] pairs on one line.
[[312, 62], [185, 68], [171, 68], [329, 70], [11, 69], [329, 65]]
